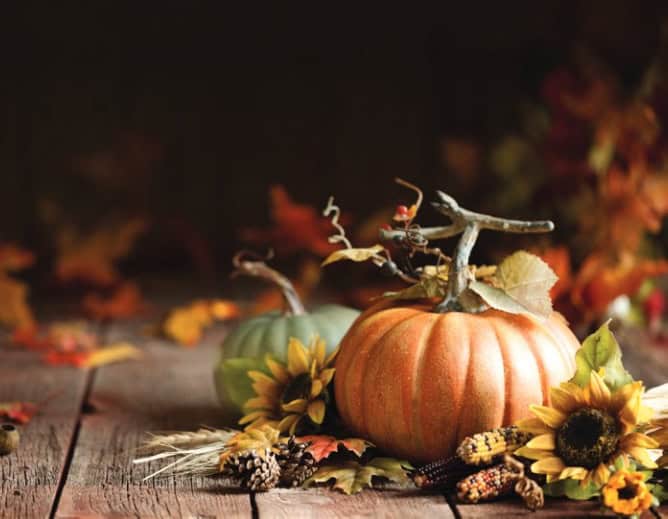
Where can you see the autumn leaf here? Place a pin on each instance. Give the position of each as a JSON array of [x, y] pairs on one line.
[[186, 324], [353, 254], [90, 257], [94, 358], [351, 477], [296, 227], [124, 302], [322, 446], [14, 258], [14, 310], [558, 259], [18, 412], [59, 336], [521, 284], [427, 288]]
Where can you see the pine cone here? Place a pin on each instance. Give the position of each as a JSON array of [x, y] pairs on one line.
[[253, 471], [297, 464]]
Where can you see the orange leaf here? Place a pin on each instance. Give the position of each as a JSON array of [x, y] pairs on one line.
[[14, 309], [14, 258], [297, 227], [558, 259], [186, 324], [126, 301], [321, 446], [18, 412], [90, 257]]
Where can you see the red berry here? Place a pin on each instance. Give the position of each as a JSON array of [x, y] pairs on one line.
[[386, 227], [402, 210], [655, 305]]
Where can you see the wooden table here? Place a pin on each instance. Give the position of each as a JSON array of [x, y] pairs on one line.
[[75, 455]]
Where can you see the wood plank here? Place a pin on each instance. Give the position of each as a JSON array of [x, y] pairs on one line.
[[170, 389], [513, 507], [30, 477], [328, 504]]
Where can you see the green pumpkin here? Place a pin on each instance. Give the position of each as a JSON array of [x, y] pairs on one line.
[[246, 347]]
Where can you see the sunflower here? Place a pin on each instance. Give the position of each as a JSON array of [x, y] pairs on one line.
[[586, 429], [291, 394], [626, 493]]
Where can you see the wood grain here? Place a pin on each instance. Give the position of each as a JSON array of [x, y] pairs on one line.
[[322, 503], [170, 389], [30, 477], [513, 507]]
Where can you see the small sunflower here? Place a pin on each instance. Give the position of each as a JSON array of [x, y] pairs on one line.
[[586, 429], [627, 494], [292, 393]]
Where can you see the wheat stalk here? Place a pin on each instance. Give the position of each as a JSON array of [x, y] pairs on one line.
[[200, 461], [185, 439]]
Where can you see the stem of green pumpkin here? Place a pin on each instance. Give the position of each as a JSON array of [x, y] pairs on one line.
[[259, 269]]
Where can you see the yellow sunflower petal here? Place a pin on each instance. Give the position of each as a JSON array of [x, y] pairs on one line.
[[295, 406], [297, 357], [628, 415], [601, 474], [624, 394], [250, 417], [533, 426], [316, 411], [598, 392], [548, 415], [278, 370], [326, 376], [660, 436], [264, 385], [550, 466], [641, 456], [331, 357], [645, 413], [289, 423], [578, 473], [542, 442], [316, 388], [533, 454], [639, 440], [314, 369], [260, 402], [319, 352], [564, 400]]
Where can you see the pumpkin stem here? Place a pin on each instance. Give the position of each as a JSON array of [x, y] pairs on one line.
[[259, 269], [469, 224]]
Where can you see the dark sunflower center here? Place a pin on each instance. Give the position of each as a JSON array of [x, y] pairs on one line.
[[299, 387], [628, 492], [587, 437]]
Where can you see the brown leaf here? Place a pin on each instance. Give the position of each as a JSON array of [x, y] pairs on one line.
[[353, 254], [126, 301], [186, 324], [18, 412], [352, 477]]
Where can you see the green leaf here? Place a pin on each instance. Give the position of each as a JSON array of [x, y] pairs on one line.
[[238, 385], [427, 288], [572, 489], [353, 254], [497, 298], [352, 477], [601, 350], [659, 491]]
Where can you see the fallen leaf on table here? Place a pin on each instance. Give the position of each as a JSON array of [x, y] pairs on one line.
[[126, 301], [321, 446], [352, 477], [14, 309], [90, 257], [60, 336], [18, 412], [91, 359], [296, 227], [186, 324]]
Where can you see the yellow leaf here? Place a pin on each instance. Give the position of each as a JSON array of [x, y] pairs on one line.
[[351, 477], [353, 254], [114, 353]]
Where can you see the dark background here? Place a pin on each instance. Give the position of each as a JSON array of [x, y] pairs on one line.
[[189, 111]]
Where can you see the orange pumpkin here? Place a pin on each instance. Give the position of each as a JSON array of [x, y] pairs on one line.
[[416, 382]]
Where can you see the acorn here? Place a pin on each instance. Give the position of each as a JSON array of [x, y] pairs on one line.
[[9, 438]]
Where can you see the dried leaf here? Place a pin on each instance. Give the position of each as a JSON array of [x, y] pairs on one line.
[[113, 353], [351, 477], [91, 257], [558, 259], [296, 227], [427, 288], [18, 412], [522, 284], [14, 310], [126, 301], [353, 254], [321, 446]]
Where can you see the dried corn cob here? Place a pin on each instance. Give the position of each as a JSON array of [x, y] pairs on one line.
[[443, 473], [487, 484], [482, 448]]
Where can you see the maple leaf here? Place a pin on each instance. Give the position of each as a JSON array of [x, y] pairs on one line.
[[352, 477], [90, 257], [126, 301], [18, 412], [322, 446], [296, 228]]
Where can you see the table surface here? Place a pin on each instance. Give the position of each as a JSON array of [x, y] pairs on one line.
[[75, 455]]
